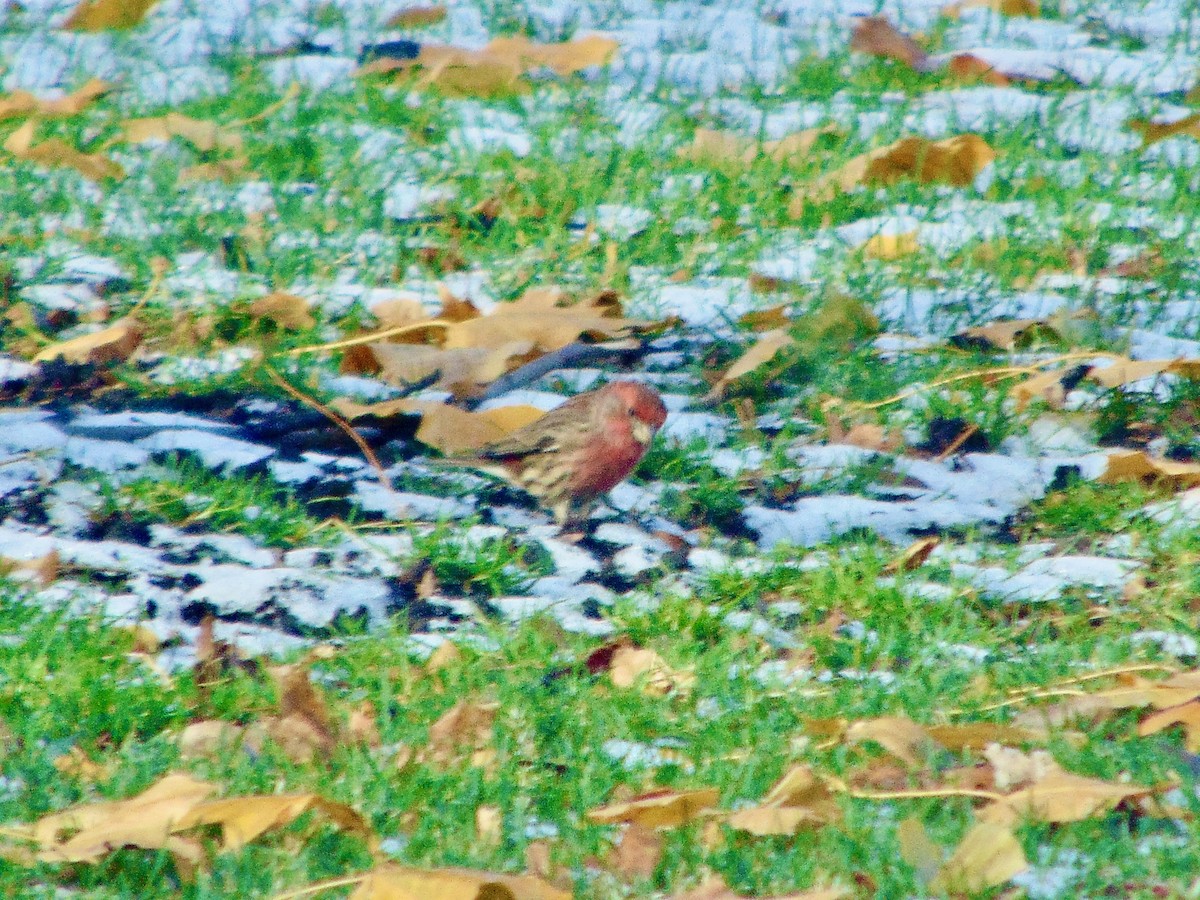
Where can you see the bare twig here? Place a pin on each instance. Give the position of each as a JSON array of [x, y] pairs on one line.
[[570, 355], [337, 420]]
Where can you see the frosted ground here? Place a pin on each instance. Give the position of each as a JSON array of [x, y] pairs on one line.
[[350, 180]]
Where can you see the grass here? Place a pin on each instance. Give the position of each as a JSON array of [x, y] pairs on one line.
[[861, 641]]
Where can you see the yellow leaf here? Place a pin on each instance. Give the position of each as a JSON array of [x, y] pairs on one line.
[[205, 136], [989, 855], [23, 103], [661, 809], [764, 820], [395, 882], [891, 246], [1028, 8], [113, 344], [103, 15]]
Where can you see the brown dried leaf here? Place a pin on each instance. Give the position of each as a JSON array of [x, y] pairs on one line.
[[631, 666], [242, 819], [714, 888], [78, 765], [1028, 8], [1002, 335], [989, 855], [1186, 714], [489, 825], [899, 736], [637, 853], [955, 160], [967, 67], [416, 17], [394, 882], [1153, 132], [362, 728], [202, 134], [877, 36], [446, 655], [115, 343], [1061, 797], [465, 728], [913, 558], [209, 738], [89, 831], [105, 15], [285, 310], [710, 145], [977, 735], [765, 349], [766, 820], [235, 168], [660, 809], [55, 152], [23, 103], [1138, 466]]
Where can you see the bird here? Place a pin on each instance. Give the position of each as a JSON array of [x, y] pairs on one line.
[[577, 452]]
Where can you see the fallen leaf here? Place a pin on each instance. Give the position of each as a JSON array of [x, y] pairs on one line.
[[1138, 466], [899, 736], [660, 809], [286, 310], [1060, 796], [105, 15], [710, 145], [1153, 132], [304, 729], [878, 37], [115, 343], [465, 728], [766, 820], [446, 655], [1027, 8], [209, 739], [22, 103], [1186, 714], [888, 247], [637, 853], [954, 160], [394, 882], [632, 666], [967, 67], [416, 17], [78, 765], [89, 831], [714, 888], [989, 855], [489, 825], [978, 735], [55, 152], [204, 135], [242, 819], [917, 849], [765, 349], [1002, 335], [362, 728], [914, 556]]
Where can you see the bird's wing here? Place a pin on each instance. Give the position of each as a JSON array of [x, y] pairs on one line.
[[542, 435]]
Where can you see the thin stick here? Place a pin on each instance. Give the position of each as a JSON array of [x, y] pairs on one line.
[[999, 372], [953, 446], [338, 421], [921, 795], [370, 338], [320, 886]]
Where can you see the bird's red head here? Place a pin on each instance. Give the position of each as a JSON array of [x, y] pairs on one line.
[[641, 402]]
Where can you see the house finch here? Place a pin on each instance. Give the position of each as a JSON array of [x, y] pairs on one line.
[[577, 451]]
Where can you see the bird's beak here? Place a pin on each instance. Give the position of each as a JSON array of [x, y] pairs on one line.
[[642, 433]]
